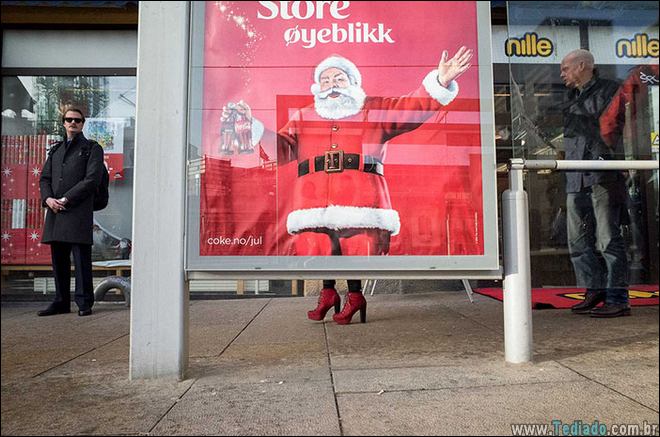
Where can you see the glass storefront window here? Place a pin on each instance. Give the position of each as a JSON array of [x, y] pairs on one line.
[[623, 39], [31, 123]]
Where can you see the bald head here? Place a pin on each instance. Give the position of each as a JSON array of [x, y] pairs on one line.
[[581, 55], [577, 68]]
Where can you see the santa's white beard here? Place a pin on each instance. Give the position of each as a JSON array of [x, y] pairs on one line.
[[349, 102]]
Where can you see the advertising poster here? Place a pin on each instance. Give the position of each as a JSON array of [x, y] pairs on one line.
[[342, 129], [109, 133]]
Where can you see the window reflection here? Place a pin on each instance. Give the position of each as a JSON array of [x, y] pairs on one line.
[[31, 123], [623, 39]]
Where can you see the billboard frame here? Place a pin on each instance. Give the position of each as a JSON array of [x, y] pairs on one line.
[[484, 266]]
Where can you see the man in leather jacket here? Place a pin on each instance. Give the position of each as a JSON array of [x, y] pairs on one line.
[[595, 199]]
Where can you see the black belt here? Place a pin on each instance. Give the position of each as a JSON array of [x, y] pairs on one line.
[[335, 161]]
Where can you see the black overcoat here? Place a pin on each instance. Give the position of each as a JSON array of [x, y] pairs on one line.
[[74, 172]]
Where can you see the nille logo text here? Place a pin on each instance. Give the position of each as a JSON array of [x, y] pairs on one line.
[[641, 46], [529, 45]]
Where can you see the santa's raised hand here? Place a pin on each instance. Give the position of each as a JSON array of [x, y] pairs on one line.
[[450, 69]]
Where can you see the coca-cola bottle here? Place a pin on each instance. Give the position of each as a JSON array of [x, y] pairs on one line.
[[243, 128], [228, 130]]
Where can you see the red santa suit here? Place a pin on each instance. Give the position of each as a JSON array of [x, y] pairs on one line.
[[340, 185]]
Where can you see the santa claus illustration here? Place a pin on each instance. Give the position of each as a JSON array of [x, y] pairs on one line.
[[341, 200]]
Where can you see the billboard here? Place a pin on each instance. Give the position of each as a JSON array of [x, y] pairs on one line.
[[109, 133], [342, 135]]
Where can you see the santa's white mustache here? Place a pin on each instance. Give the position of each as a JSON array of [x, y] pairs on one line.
[[326, 93], [348, 102]]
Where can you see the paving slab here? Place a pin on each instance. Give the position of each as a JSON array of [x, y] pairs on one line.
[[461, 374], [253, 409], [86, 404], [487, 410]]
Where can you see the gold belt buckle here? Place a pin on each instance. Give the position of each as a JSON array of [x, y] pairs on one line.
[[334, 161]]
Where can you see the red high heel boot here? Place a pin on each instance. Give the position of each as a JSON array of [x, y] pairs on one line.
[[327, 299], [354, 301]]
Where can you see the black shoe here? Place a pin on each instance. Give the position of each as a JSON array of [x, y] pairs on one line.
[[87, 312], [611, 310], [591, 300], [51, 311]]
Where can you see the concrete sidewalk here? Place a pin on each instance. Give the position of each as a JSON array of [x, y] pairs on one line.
[[424, 364]]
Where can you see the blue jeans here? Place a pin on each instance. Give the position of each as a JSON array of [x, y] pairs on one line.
[[594, 226]]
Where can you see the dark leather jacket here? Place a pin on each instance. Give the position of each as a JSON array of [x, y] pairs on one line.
[[582, 138]]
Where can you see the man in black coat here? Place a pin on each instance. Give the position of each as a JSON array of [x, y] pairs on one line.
[[595, 200], [69, 180]]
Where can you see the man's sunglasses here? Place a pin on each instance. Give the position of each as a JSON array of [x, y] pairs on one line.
[[72, 119]]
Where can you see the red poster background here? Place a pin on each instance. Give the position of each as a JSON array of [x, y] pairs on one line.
[[433, 172]]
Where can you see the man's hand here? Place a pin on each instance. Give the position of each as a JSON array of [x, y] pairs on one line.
[[450, 69], [55, 205]]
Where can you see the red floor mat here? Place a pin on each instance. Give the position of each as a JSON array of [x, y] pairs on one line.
[[565, 297]]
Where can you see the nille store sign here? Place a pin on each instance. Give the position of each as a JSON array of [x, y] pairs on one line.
[[538, 45], [624, 45], [640, 46], [529, 45]]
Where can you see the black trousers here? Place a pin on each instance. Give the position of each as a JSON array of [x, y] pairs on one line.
[[82, 257], [354, 285]]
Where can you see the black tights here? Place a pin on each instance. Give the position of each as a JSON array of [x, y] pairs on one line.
[[354, 285]]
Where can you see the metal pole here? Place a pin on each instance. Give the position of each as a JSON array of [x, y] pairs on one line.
[[517, 278], [551, 164]]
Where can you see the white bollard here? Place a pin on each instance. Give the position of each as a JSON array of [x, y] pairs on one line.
[[517, 278]]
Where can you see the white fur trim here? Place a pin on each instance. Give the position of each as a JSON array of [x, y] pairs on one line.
[[437, 91], [343, 64], [343, 217]]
